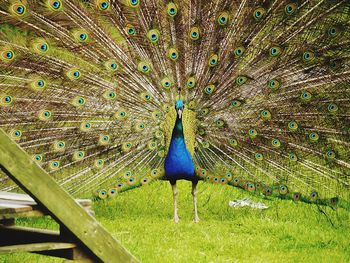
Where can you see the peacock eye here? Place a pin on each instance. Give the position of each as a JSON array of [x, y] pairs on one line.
[[166, 83], [134, 3], [99, 163], [275, 143], [223, 18], [130, 30], [313, 196], [332, 31], [45, 115], [306, 96], [43, 47], [265, 115], [82, 37], [240, 80], [331, 154], [194, 33], [259, 156], [239, 51], [332, 108], [259, 13], [292, 157], [296, 196], [6, 100], [290, 9], [268, 191], [252, 133], [153, 35], [313, 137], [104, 5], [191, 82], [213, 60], [283, 190], [54, 5], [85, 126], [173, 54], [308, 56], [275, 51], [235, 103], [171, 9], [20, 9], [143, 67], [209, 89], [9, 54], [274, 84], [293, 126], [233, 142], [73, 74]]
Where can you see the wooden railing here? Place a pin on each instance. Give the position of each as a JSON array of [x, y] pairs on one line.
[[80, 237]]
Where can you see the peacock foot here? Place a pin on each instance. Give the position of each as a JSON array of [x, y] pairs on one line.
[[196, 219], [176, 219]]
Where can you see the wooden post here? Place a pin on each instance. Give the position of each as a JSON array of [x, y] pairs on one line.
[[17, 164]]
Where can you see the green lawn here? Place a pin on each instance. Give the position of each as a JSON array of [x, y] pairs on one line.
[[285, 232]]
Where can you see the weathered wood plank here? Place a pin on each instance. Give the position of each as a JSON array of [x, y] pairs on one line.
[[13, 238], [32, 213], [36, 247], [37, 183], [13, 205], [27, 200], [16, 196]]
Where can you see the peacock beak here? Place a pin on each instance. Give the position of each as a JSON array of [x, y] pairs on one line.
[[179, 112]]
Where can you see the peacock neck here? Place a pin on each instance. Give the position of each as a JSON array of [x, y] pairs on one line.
[[178, 129]]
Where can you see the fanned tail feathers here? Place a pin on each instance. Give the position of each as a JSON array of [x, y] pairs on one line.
[[87, 88]]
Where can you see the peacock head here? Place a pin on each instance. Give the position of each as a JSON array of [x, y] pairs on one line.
[[179, 106]]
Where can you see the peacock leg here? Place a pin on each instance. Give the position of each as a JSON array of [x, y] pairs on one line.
[[194, 190], [176, 216]]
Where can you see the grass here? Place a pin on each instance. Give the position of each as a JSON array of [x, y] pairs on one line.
[[285, 232]]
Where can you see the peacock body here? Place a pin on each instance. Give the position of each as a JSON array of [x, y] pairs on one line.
[[91, 89], [178, 163]]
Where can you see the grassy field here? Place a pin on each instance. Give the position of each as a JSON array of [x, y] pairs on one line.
[[285, 232]]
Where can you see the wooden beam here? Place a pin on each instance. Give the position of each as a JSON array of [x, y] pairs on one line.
[[17, 164], [36, 247], [41, 241], [13, 205], [15, 235]]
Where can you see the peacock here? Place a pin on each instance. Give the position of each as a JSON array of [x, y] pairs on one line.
[[110, 95]]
